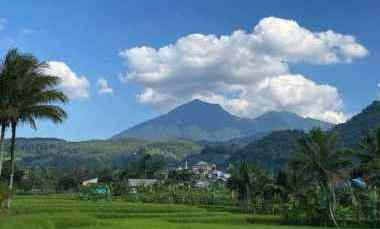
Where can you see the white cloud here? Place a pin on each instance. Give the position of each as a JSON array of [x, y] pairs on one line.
[[103, 87], [3, 23], [246, 72], [378, 94], [298, 94], [76, 87], [286, 40]]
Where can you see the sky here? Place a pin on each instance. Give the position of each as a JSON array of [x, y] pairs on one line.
[[124, 62]]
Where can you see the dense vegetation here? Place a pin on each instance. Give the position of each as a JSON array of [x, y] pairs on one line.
[[350, 133], [64, 155], [271, 152]]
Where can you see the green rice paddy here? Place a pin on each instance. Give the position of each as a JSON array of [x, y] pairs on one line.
[[69, 213]]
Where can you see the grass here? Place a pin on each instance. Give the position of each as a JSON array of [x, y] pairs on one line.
[[60, 212]]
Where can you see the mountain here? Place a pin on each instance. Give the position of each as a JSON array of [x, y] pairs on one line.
[[274, 150], [198, 120], [283, 120], [351, 132], [268, 150]]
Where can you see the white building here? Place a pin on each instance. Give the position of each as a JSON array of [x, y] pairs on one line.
[[141, 182], [90, 181]]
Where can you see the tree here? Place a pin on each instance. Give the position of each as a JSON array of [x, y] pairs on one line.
[[32, 95], [323, 163], [248, 181], [369, 156], [4, 101]]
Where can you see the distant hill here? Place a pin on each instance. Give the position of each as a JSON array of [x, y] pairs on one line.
[[198, 120], [273, 151], [270, 150], [351, 132], [65, 155]]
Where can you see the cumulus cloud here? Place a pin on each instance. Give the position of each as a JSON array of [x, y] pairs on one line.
[[378, 94], [76, 87], [3, 22], [288, 41], [103, 87], [246, 72]]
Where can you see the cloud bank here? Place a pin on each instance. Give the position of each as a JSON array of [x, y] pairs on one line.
[[103, 87], [248, 73], [76, 87]]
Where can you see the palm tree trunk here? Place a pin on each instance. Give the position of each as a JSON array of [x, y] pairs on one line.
[[11, 179], [3, 127], [332, 204]]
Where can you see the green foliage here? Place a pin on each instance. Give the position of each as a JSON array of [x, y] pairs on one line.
[[144, 166], [173, 149], [4, 193], [351, 132], [248, 181], [369, 155], [96, 154], [272, 152]]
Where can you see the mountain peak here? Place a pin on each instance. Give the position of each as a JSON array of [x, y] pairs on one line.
[[200, 120], [199, 107], [200, 103], [197, 101]]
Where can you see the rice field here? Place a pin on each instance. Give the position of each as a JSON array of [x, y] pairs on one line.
[[70, 213]]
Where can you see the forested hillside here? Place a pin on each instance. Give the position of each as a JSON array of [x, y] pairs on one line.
[[351, 132], [62, 154], [270, 151]]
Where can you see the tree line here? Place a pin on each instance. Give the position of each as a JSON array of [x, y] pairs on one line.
[[322, 184]]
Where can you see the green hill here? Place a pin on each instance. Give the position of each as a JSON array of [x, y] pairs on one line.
[[273, 151], [63, 154]]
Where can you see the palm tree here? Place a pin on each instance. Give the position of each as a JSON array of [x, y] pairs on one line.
[[248, 181], [323, 163], [4, 125], [4, 99], [369, 156], [32, 95]]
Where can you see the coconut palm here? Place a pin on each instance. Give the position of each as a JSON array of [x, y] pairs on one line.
[[248, 181], [369, 156], [32, 95], [4, 99], [324, 163]]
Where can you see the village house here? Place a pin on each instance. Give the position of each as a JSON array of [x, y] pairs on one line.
[[141, 182]]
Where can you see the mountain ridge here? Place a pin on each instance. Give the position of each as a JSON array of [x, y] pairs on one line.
[[198, 120], [273, 151]]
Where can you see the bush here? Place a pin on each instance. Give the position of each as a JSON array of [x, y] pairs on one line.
[[3, 193]]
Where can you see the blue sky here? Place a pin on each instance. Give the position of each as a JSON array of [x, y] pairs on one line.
[[88, 38]]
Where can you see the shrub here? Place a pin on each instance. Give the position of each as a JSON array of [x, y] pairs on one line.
[[3, 193]]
